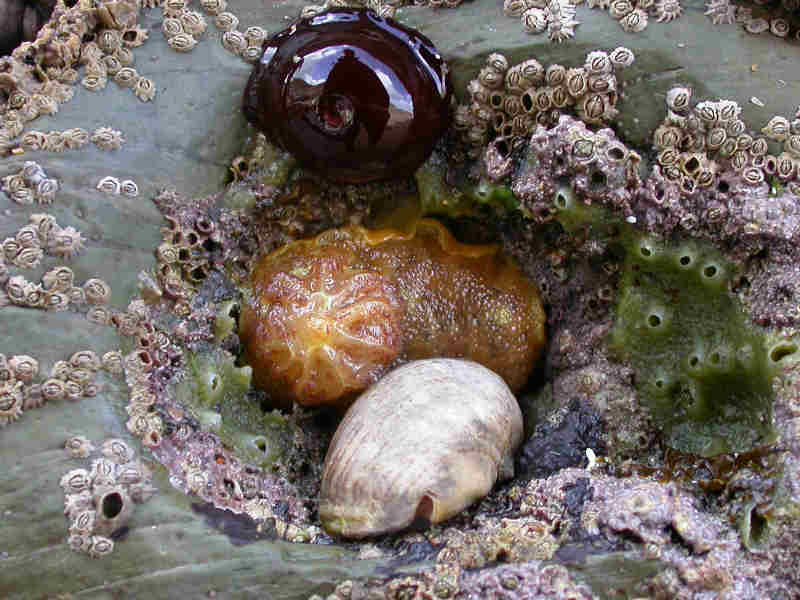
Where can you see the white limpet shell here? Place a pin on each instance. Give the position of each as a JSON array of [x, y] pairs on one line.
[[424, 442]]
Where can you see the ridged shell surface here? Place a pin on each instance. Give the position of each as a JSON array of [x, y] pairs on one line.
[[424, 442]]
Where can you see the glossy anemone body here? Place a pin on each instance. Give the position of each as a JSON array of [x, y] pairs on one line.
[[352, 95]]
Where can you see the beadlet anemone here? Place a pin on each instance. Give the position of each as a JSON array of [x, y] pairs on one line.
[[351, 95]]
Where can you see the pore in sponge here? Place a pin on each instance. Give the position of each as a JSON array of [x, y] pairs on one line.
[[701, 367]]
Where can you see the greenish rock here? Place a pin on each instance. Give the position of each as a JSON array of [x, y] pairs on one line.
[[216, 392]]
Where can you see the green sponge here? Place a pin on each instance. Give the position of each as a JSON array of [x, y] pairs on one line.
[[215, 390], [701, 367]]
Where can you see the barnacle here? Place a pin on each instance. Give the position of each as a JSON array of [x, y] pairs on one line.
[[721, 12], [213, 7], [11, 398], [99, 315], [27, 237], [103, 472], [94, 82], [145, 89], [75, 138], [58, 279], [73, 391], [129, 188], [28, 258], [193, 22], [45, 225], [109, 185], [33, 140], [100, 546], [756, 25], [252, 53], [15, 288], [66, 243], [106, 138], [124, 56], [11, 248], [777, 129], [78, 446], [60, 370], [534, 20], [174, 7], [134, 37], [24, 367], [667, 10], [53, 389], [779, 27], [126, 77], [182, 42], [255, 36], [226, 21], [83, 523], [112, 362], [32, 397], [117, 451], [76, 295], [85, 359], [6, 374], [75, 481], [79, 543], [234, 41], [635, 21], [97, 291]]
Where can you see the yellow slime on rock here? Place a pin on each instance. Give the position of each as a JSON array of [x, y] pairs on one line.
[[326, 317]]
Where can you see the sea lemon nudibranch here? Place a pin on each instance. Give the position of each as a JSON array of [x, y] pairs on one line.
[[426, 441], [326, 317]]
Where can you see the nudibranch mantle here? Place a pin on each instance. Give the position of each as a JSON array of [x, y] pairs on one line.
[[352, 95]]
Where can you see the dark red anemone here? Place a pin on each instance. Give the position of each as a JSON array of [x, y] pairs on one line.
[[352, 95]]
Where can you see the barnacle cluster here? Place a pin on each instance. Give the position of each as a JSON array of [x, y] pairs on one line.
[[57, 291], [570, 161], [184, 257], [633, 15], [697, 142], [114, 187], [383, 8], [744, 484], [22, 388], [30, 184], [41, 236], [100, 501], [557, 17], [182, 27], [507, 103], [38, 76], [203, 450], [779, 18]]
